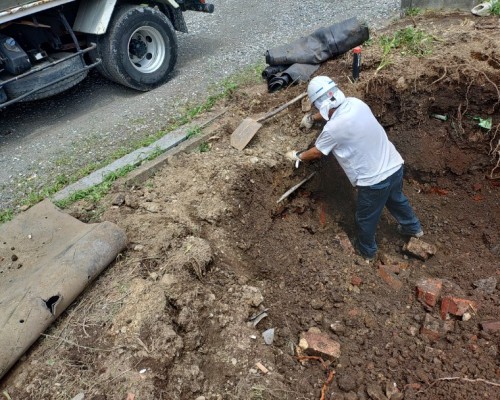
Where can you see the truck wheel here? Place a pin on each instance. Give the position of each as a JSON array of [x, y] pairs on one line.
[[28, 83], [140, 48]]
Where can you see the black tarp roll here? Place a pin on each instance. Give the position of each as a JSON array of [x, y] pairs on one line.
[[321, 45]]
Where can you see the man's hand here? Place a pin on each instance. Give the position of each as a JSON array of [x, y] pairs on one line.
[[293, 156], [307, 122]]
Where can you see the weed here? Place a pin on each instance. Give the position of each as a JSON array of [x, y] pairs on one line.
[[6, 215], [495, 9], [409, 41], [195, 130], [413, 12], [204, 147], [97, 192]]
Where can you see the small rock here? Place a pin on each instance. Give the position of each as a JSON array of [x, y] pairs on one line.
[[337, 327], [346, 383], [268, 336], [14, 257], [375, 392], [419, 248], [138, 247], [487, 285], [391, 388], [490, 326], [467, 316], [389, 278], [356, 280], [316, 343], [118, 200]]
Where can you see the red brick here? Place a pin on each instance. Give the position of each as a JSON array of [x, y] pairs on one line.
[[389, 277], [428, 291], [316, 343], [490, 326], [456, 306]]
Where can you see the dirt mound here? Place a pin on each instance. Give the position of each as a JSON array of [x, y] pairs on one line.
[[177, 316]]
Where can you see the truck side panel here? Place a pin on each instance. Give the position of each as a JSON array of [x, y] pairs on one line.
[[93, 16], [28, 8]]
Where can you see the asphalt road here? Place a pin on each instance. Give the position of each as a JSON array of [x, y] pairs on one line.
[[42, 140]]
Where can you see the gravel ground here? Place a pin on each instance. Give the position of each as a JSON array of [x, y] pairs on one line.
[[42, 140]]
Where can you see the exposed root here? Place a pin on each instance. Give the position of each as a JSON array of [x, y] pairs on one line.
[[458, 378]]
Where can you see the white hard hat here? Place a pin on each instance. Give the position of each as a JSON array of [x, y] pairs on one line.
[[320, 88]]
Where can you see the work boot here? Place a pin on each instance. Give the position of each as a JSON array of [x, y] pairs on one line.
[[417, 235]]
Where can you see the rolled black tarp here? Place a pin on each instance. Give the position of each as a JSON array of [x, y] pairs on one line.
[[319, 46]]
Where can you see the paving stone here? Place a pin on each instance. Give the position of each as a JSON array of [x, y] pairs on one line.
[[316, 343], [428, 291], [419, 248]]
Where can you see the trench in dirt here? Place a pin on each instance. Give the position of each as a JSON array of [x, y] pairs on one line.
[[298, 253]]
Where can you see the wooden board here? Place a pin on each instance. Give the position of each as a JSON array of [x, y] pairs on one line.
[[244, 133]]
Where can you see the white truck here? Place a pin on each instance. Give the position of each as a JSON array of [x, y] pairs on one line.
[[48, 46]]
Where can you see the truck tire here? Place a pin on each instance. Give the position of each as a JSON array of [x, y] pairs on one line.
[[28, 83], [140, 48]]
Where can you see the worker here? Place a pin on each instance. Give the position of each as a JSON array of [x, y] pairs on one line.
[[371, 162]]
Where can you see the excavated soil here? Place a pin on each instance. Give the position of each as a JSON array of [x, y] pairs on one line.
[[210, 247]]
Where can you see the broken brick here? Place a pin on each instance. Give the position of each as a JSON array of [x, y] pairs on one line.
[[428, 291], [419, 248], [433, 328], [343, 240], [490, 326], [389, 277], [316, 343], [456, 306], [393, 263]]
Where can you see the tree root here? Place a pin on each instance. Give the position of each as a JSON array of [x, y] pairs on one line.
[[458, 378]]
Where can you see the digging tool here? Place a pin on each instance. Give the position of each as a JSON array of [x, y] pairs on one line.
[[249, 126], [294, 188]]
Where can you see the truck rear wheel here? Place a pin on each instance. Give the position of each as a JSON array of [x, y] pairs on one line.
[[140, 48]]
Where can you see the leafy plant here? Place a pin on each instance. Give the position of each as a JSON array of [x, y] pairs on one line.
[[407, 41], [413, 11], [495, 9], [204, 147], [6, 215], [196, 130]]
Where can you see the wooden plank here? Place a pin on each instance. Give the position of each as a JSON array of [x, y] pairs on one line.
[[244, 133]]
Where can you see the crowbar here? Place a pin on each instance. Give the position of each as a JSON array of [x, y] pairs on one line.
[[294, 188]]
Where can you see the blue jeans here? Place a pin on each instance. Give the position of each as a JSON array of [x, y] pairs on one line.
[[370, 203]]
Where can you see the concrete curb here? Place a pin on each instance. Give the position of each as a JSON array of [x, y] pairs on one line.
[[171, 143]]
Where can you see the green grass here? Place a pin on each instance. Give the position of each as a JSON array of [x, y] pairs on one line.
[[97, 192], [413, 12], [495, 10], [409, 41], [6, 215], [224, 89], [204, 147]]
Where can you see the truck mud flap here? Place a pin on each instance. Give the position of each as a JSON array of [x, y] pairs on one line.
[[47, 80]]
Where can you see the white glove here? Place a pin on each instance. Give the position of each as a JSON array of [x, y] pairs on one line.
[[293, 156], [307, 122]]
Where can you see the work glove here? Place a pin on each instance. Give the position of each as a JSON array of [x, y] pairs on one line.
[[307, 122], [293, 156]]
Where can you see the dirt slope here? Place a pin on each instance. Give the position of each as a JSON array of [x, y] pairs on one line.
[[210, 248]]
